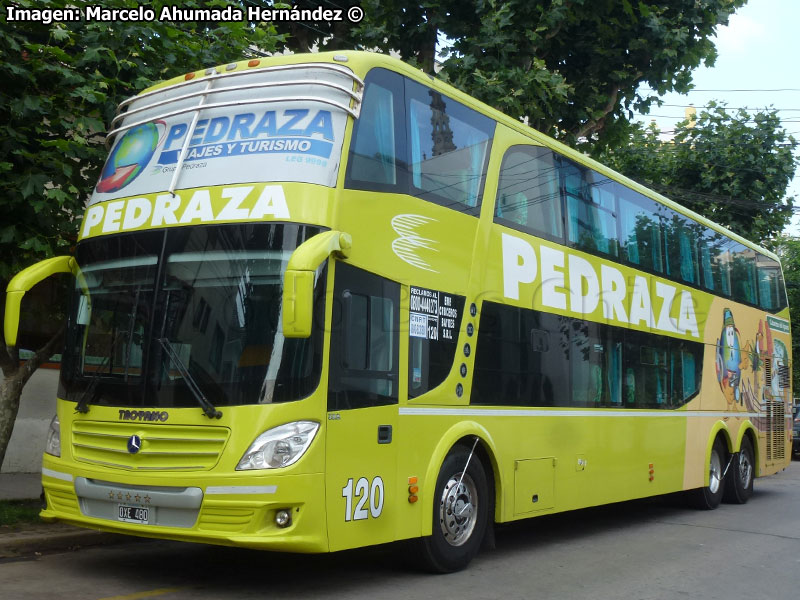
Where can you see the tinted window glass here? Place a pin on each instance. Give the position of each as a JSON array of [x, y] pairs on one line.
[[743, 273], [521, 357], [710, 246], [373, 156], [527, 192], [364, 340], [448, 148], [159, 316], [528, 358], [590, 199], [410, 139], [771, 292], [640, 232], [594, 365], [682, 262], [435, 319]]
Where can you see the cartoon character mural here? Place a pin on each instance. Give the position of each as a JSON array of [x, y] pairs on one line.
[[767, 360], [729, 360], [767, 377], [779, 385]]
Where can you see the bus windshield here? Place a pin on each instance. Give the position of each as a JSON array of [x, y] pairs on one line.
[[156, 314]]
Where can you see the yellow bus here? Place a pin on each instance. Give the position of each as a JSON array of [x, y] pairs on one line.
[[326, 301]]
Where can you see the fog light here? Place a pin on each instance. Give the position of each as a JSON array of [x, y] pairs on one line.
[[283, 518]]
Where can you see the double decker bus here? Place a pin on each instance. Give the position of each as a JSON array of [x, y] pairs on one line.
[[326, 301]]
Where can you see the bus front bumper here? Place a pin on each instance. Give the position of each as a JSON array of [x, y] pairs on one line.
[[212, 510]]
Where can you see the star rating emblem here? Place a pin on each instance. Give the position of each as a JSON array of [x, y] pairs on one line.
[[128, 497], [119, 496], [138, 498], [147, 499], [111, 494]]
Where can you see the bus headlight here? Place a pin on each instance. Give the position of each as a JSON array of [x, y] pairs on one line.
[[53, 444], [279, 447]]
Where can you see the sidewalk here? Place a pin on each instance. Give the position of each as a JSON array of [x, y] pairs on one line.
[[20, 486], [41, 537]]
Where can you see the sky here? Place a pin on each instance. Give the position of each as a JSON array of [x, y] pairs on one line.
[[758, 51]]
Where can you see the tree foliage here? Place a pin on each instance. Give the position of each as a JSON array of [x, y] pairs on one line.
[[60, 84], [573, 67], [730, 166]]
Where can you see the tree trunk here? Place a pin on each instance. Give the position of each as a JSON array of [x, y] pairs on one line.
[[15, 376]]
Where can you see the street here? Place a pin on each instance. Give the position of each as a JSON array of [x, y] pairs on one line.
[[644, 550]]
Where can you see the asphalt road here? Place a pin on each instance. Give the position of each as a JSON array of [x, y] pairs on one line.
[[645, 550]]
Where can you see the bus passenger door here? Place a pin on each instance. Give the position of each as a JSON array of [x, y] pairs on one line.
[[362, 409]]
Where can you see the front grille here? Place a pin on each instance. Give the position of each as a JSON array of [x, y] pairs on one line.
[[163, 447]]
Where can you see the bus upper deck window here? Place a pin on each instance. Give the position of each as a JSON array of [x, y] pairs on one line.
[[372, 154]]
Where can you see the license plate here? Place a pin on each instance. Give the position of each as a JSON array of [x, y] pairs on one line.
[[133, 514]]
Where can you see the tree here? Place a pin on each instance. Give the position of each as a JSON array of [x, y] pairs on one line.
[[61, 84], [573, 67], [732, 167]]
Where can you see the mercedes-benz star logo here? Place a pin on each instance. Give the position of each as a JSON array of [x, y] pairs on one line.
[[134, 444]]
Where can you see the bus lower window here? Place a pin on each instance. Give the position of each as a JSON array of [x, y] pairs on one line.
[[528, 358], [364, 340], [521, 357], [431, 349]]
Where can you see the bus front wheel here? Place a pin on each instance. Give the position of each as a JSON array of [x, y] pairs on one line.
[[710, 496], [460, 513], [739, 483]]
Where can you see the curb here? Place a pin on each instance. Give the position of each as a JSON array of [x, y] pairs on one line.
[[42, 538]]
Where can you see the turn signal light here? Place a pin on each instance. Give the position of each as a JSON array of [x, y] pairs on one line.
[[413, 488]]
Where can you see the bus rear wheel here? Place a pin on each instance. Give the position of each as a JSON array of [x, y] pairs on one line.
[[710, 496], [460, 513], [739, 483]]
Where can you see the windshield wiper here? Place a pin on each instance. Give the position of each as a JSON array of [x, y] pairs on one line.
[[209, 409], [88, 394]]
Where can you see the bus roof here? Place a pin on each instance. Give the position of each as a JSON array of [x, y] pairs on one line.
[[361, 62]]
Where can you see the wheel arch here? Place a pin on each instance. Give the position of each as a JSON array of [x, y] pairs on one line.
[[463, 433]]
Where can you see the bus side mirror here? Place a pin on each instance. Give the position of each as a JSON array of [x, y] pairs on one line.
[[298, 281], [24, 281]]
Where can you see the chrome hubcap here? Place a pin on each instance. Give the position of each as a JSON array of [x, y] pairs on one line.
[[745, 469], [457, 509], [715, 473]]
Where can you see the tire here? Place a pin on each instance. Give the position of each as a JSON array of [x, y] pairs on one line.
[[456, 537], [710, 496], [739, 482]]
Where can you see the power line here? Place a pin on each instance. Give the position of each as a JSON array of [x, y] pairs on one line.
[[725, 107], [683, 118], [733, 90]]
